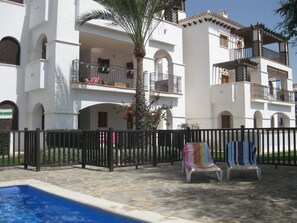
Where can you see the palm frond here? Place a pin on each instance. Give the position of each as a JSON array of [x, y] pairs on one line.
[[135, 17], [94, 14]]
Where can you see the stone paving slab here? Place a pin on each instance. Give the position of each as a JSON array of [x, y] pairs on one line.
[[163, 189]]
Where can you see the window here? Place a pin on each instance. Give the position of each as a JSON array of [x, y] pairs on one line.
[[225, 79], [102, 119], [224, 41], [9, 51]]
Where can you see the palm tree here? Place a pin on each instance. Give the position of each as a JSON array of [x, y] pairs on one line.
[[288, 12], [135, 17]]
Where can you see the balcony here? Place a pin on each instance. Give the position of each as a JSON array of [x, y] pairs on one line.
[[88, 73], [269, 93], [232, 92], [109, 76], [254, 44], [164, 83], [267, 53]]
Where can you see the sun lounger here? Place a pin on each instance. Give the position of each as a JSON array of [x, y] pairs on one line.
[[197, 158], [241, 155]]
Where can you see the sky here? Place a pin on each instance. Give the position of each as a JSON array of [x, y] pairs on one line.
[[246, 12]]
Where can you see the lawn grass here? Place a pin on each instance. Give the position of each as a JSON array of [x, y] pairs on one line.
[[10, 160], [282, 156]]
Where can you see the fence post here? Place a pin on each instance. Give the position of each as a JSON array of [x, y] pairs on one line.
[[110, 150], [154, 147], [26, 149], [37, 149], [188, 134], [83, 149], [242, 132]]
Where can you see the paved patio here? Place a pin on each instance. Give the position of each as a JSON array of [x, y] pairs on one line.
[[163, 189]]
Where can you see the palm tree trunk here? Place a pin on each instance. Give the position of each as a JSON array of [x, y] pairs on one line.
[[139, 94]]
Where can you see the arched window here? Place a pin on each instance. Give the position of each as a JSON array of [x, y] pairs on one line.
[[9, 118], [10, 51], [40, 48], [43, 48]]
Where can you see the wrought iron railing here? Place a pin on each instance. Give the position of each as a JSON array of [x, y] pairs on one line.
[[269, 93], [165, 83], [113, 76], [12, 148], [84, 72], [266, 53]]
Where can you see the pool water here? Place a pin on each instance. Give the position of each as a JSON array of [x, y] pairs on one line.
[[26, 204]]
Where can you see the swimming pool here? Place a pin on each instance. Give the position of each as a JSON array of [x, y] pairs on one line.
[[125, 212], [23, 203]]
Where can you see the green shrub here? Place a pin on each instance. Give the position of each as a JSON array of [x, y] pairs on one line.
[[61, 156], [63, 138], [4, 143]]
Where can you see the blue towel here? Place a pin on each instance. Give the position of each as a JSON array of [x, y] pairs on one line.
[[240, 153]]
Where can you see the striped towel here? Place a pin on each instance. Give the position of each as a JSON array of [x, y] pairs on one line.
[[240, 153], [198, 155]]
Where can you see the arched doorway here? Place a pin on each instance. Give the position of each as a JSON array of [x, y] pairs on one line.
[[225, 120], [257, 120], [169, 124], [38, 117], [162, 79], [166, 123], [163, 62], [102, 116], [41, 47], [279, 120]]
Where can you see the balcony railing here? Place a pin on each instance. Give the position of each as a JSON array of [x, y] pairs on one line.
[[165, 83], [88, 73], [269, 93], [266, 53], [275, 56], [104, 75]]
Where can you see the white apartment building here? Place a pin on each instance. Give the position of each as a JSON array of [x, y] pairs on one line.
[[236, 75], [55, 74]]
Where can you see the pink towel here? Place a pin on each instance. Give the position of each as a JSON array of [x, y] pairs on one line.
[[94, 80], [197, 154]]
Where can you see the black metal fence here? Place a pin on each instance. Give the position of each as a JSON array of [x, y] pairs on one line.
[[112, 149]]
